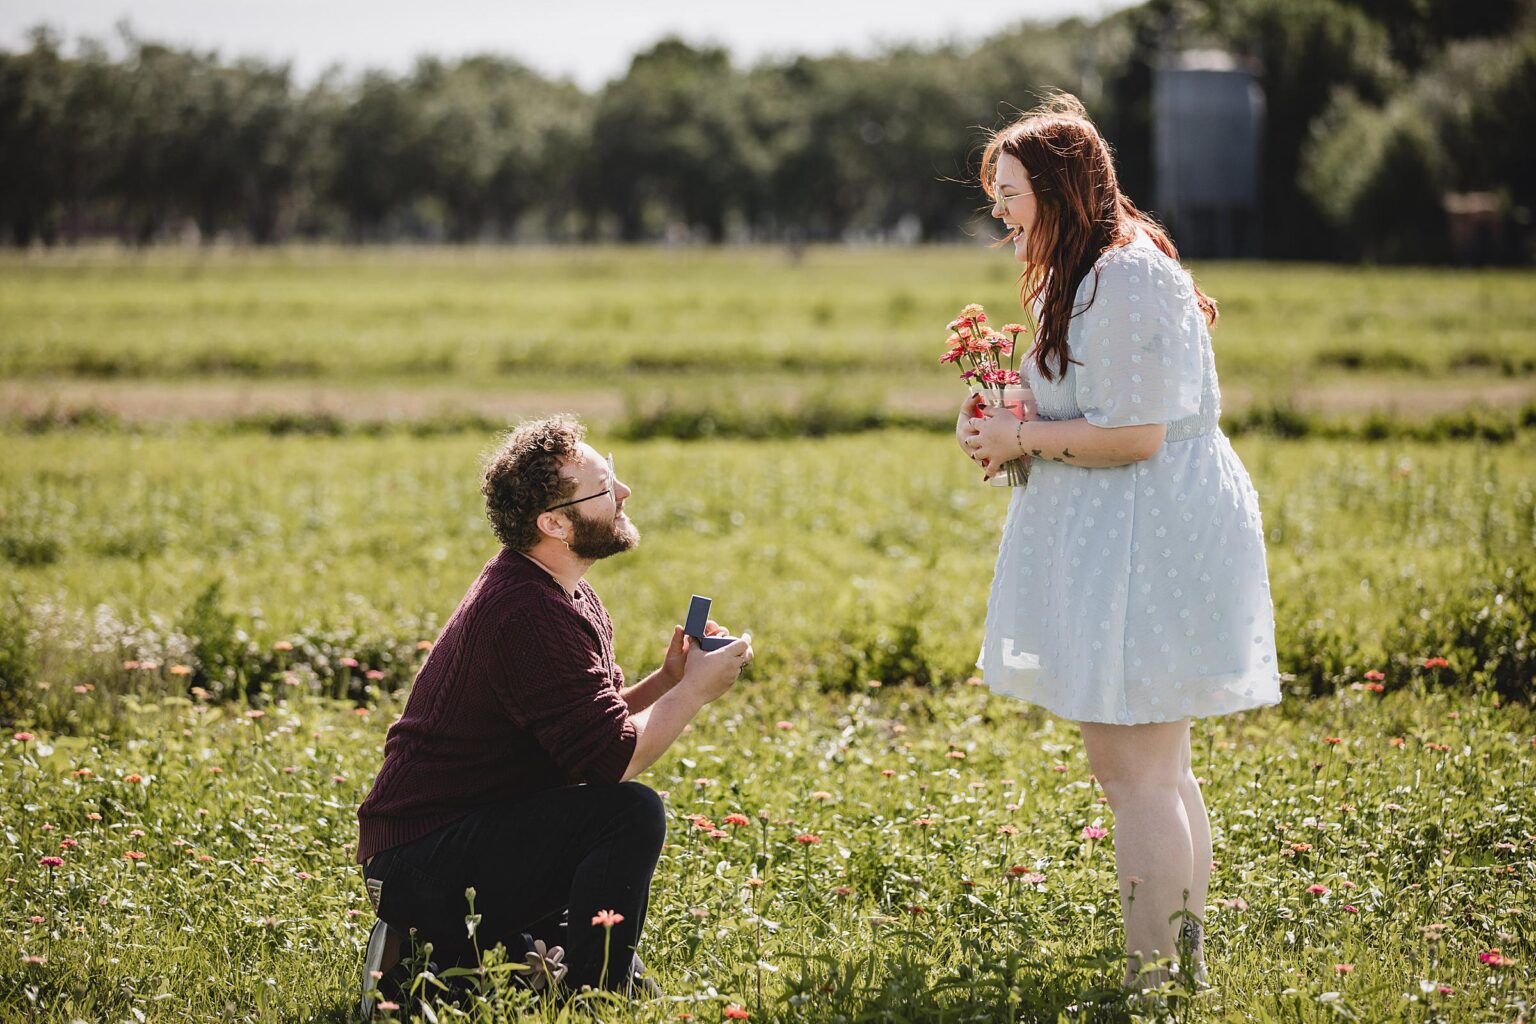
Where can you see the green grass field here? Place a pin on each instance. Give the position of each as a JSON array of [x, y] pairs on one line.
[[583, 320], [147, 553]]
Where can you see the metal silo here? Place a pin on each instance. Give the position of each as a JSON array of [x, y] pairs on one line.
[[1207, 131]]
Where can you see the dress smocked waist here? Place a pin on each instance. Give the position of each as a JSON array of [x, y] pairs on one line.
[[1192, 427]]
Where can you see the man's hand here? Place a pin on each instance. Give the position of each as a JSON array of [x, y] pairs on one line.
[[710, 674], [675, 662], [707, 675]]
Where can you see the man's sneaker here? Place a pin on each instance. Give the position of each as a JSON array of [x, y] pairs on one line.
[[640, 983], [546, 966], [379, 962]]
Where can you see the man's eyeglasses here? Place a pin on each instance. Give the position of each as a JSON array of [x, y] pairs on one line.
[[599, 494]]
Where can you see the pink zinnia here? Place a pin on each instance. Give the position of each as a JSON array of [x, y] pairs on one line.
[[134, 855], [1493, 958], [607, 918], [1318, 890], [737, 819], [1094, 832], [51, 862], [807, 838], [22, 737]]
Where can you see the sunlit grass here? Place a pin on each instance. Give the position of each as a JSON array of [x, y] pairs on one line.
[[591, 313], [951, 880]]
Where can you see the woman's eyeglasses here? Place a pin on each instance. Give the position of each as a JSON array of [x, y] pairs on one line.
[[1001, 200], [599, 494]]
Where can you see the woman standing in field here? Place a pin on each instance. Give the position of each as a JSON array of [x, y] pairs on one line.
[[1131, 592]]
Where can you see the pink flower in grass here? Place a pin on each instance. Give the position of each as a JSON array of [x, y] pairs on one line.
[[607, 918], [1094, 832]]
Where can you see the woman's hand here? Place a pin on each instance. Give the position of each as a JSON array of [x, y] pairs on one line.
[[969, 410], [994, 439]]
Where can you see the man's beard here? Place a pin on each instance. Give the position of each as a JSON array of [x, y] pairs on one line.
[[592, 539]]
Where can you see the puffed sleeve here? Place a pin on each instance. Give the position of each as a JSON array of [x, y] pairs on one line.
[[1139, 342]]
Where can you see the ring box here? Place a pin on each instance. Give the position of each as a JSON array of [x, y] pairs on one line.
[[698, 621]]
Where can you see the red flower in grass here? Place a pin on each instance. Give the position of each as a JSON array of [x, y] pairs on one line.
[[734, 1012], [807, 838], [1318, 890], [1494, 958], [51, 862], [736, 819], [1375, 676], [134, 855], [1436, 663]]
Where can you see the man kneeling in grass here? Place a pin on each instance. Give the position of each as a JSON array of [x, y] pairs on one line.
[[510, 770]]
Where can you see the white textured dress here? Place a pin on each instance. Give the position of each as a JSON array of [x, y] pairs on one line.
[[1136, 593]]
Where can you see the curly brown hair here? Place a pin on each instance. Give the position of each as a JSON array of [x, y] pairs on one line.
[[522, 477]]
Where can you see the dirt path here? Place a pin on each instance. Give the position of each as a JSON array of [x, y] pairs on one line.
[[159, 401]]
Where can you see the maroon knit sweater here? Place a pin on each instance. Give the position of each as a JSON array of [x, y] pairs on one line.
[[520, 694]]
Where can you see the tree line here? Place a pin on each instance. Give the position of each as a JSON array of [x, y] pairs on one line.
[[1376, 110]]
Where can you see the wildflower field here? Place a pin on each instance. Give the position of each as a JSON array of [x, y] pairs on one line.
[[207, 625]]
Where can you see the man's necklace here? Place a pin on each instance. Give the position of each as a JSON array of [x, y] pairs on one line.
[[572, 594]]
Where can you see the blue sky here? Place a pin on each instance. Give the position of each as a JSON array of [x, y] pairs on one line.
[[587, 40]]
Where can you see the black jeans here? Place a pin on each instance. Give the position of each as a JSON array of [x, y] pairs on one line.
[[577, 848]]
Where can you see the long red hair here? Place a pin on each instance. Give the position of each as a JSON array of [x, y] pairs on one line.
[[1080, 213]]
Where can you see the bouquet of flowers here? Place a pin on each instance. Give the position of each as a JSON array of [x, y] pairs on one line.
[[974, 345]]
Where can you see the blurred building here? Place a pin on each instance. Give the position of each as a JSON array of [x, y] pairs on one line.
[[1207, 132]]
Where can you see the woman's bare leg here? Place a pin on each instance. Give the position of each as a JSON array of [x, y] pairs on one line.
[[1142, 769], [1200, 842]]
